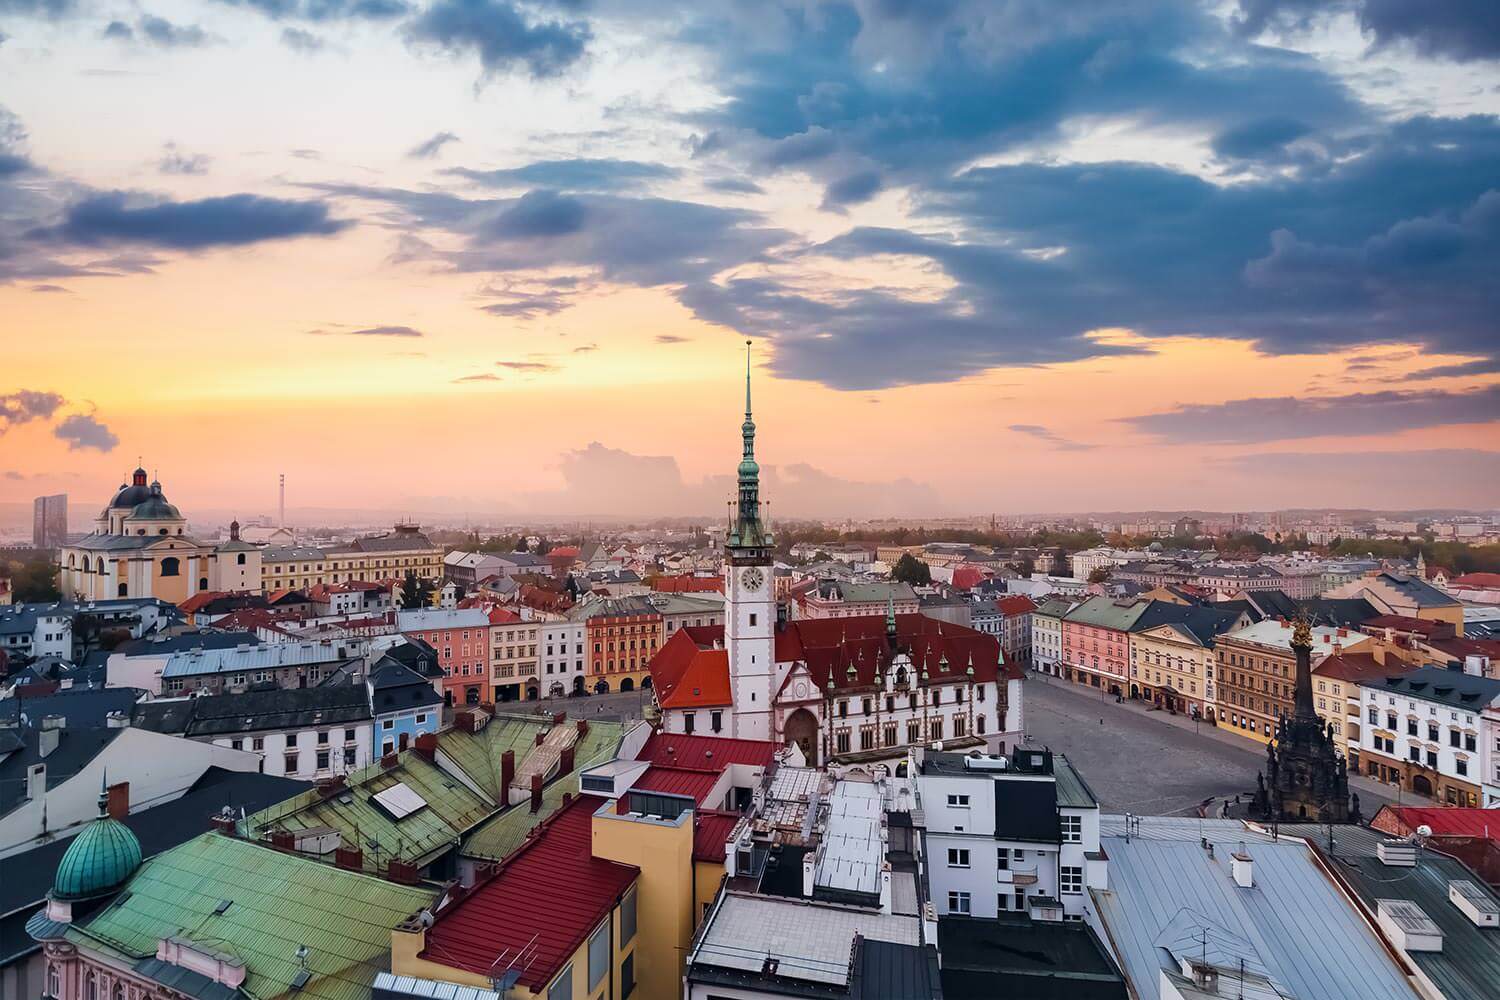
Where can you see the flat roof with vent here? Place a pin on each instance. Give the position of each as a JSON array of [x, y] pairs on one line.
[[1476, 903], [1408, 925], [399, 800]]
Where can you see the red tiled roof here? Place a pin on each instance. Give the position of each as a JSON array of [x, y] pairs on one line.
[[711, 830], [706, 752], [1451, 822], [503, 616], [689, 781], [1477, 581], [1403, 623], [686, 584], [1016, 604], [564, 552], [199, 600], [1460, 648], [552, 888], [966, 576], [1360, 668], [687, 672]]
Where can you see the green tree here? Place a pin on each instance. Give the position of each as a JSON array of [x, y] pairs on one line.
[[910, 569], [35, 580], [1099, 575], [415, 592]]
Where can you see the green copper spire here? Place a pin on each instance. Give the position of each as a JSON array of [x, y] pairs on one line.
[[748, 531]]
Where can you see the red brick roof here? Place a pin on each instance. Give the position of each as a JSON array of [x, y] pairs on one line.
[[551, 887], [1450, 822], [503, 616], [1016, 604], [711, 830], [686, 584], [1403, 623], [197, 602], [691, 781], [1360, 668], [707, 753], [1476, 581], [687, 672]]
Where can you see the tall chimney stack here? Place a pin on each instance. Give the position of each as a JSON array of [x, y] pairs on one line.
[[281, 507]]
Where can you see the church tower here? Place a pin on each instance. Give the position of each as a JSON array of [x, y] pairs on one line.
[[749, 604]]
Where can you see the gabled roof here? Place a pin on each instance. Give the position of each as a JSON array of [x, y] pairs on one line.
[[706, 752], [279, 903], [693, 782], [1424, 594], [1453, 688], [1360, 668], [545, 900], [688, 672]]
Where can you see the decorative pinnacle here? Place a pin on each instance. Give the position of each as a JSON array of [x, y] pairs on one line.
[[747, 380], [1302, 630]]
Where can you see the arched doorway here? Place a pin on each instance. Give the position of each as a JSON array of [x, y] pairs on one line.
[[602, 687], [578, 685], [802, 729], [627, 684], [531, 693], [557, 690], [645, 684], [1421, 785], [471, 696]]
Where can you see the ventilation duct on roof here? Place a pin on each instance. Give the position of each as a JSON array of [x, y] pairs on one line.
[[1397, 853], [1408, 927]]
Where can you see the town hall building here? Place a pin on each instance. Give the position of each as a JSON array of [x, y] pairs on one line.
[[862, 688]]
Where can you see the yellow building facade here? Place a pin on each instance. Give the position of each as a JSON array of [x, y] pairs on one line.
[[370, 559]]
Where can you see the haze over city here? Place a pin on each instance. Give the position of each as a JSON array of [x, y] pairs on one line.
[[472, 255]]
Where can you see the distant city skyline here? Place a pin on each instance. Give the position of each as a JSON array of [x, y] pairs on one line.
[[466, 254]]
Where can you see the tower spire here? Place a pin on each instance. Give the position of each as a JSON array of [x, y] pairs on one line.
[[748, 532]]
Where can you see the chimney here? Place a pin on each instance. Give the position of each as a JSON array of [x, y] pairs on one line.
[[507, 772], [389, 761], [351, 858], [565, 765], [536, 793], [223, 824], [1243, 867], [403, 742], [402, 872], [47, 741], [116, 720], [583, 728], [284, 839], [117, 803], [426, 747], [36, 781], [541, 738]]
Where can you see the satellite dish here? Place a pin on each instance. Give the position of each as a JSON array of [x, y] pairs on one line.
[[1424, 831]]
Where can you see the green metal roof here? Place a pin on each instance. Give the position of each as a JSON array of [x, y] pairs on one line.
[[421, 837], [1072, 791], [100, 859], [278, 903], [478, 754], [1106, 612], [507, 831]]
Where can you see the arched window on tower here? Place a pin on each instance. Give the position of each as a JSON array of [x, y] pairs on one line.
[[170, 566], [241, 560]]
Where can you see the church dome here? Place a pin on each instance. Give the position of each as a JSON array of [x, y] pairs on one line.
[[136, 493], [100, 859]]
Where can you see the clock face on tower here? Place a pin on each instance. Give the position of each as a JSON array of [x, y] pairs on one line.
[[752, 578]]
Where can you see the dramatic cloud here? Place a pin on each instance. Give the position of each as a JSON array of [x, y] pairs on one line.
[[176, 161], [430, 148], [25, 405], [1462, 30], [1242, 421], [852, 190], [502, 37], [370, 331], [599, 479], [234, 220], [573, 175], [82, 431], [1047, 436]]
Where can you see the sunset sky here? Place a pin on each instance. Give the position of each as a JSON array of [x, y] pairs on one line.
[[492, 257]]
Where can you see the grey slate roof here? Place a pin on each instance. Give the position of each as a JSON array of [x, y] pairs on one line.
[[1297, 924], [1453, 688], [258, 711], [1468, 967], [1014, 956]]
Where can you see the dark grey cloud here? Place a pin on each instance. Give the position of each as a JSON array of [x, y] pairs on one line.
[[430, 148], [503, 37], [852, 190], [734, 185], [1479, 366], [25, 405], [585, 349], [1248, 421], [233, 220], [1049, 437], [1255, 139], [573, 175], [48, 289], [83, 431], [369, 331], [178, 161], [301, 40], [39, 8], [539, 214]]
